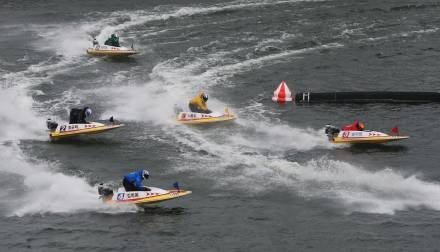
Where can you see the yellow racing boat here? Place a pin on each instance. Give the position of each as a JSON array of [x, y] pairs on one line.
[[338, 136], [105, 50], [200, 118], [139, 198], [76, 129]]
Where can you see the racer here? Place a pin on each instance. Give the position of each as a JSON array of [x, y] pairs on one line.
[[133, 181], [356, 126], [95, 42], [198, 104], [80, 115], [112, 41]]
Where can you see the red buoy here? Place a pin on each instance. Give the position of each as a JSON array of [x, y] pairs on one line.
[[282, 93]]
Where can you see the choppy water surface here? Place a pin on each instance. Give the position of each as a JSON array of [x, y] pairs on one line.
[[269, 181]]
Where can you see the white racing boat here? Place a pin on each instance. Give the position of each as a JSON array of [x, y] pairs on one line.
[[139, 198], [338, 136], [105, 50], [200, 118]]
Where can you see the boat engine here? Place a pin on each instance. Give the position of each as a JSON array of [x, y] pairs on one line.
[[51, 125], [105, 191], [331, 130]]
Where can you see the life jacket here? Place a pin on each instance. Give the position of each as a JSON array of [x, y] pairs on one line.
[[116, 42], [135, 178], [356, 126], [112, 41], [108, 42], [199, 102], [77, 115]]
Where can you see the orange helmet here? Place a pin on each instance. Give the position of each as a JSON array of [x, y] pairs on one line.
[[361, 125]]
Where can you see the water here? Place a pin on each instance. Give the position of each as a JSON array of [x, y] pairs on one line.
[[269, 181]]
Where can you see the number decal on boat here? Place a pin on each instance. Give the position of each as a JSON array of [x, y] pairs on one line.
[[63, 127], [345, 134], [120, 196], [356, 134], [132, 195]]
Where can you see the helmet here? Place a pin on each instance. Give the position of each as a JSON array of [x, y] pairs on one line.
[[145, 174], [88, 112], [361, 125], [205, 96]]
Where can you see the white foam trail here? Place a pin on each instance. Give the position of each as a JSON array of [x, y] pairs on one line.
[[384, 191], [401, 35], [141, 16], [279, 137], [275, 41], [358, 189], [49, 191], [172, 71], [229, 70]]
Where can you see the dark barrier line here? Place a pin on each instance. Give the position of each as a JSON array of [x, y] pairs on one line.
[[368, 97]]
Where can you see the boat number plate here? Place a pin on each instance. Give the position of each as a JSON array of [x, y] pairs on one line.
[[120, 196]]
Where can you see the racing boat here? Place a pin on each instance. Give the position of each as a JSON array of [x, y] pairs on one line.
[[139, 198], [75, 129], [200, 118], [105, 50], [338, 136]]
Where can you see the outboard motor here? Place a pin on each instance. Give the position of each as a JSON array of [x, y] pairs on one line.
[[105, 191], [331, 130], [51, 125]]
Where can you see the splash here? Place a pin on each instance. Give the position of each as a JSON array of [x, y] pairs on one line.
[[17, 117], [49, 191], [68, 44], [384, 191]]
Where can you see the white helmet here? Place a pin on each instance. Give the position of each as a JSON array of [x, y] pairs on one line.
[[205, 97], [88, 112], [145, 174]]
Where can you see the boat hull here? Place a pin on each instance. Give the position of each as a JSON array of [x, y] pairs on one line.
[[146, 198], [71, 130], [192, 118], [366, 140], [111, 51]]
